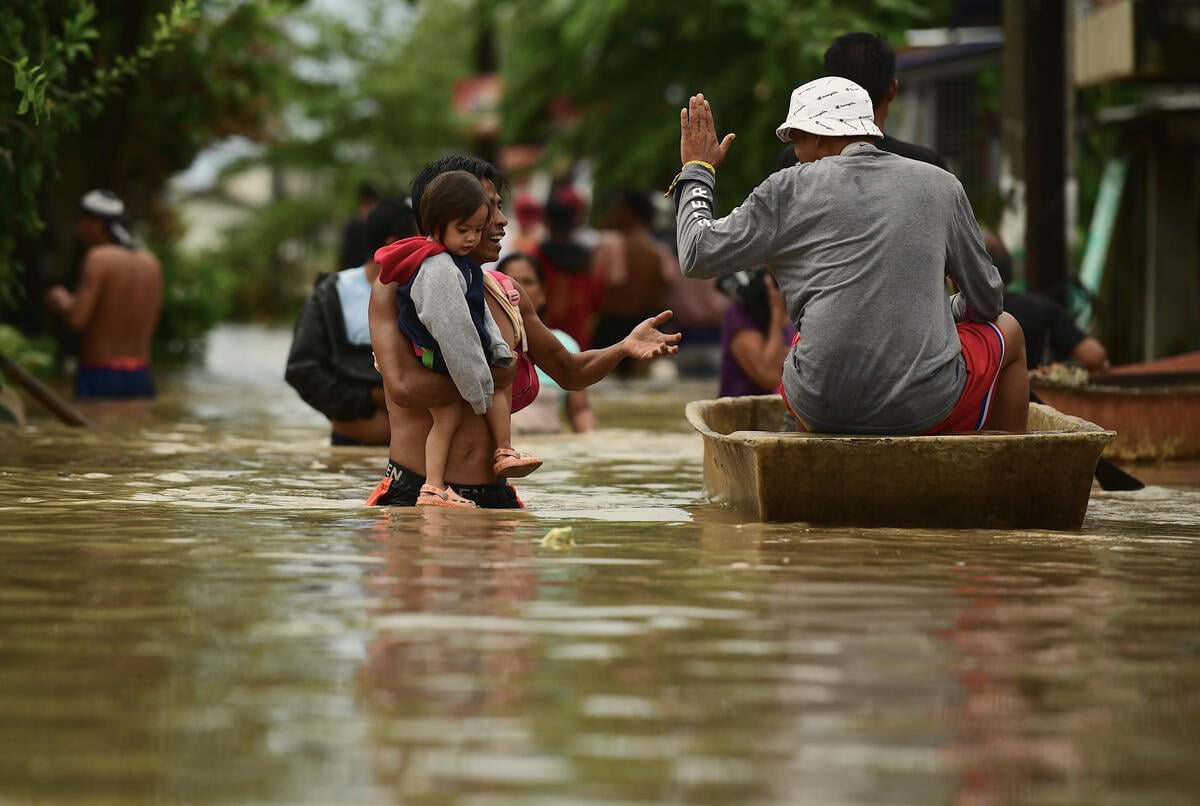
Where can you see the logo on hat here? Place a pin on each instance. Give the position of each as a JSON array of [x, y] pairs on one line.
[[852, 117]]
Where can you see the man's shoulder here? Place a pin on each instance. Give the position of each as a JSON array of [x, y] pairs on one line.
[[325, 283], [912, 151], [105, 257]]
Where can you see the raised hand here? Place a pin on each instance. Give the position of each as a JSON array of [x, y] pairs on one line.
[[698, 136]]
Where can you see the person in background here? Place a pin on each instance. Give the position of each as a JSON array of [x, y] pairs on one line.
[[756, 334], [542, 416], [116, 307], [330, 363], [572, 292], [354, 235], [531, 228], [1048, 326], [634, 269], [870, 62]]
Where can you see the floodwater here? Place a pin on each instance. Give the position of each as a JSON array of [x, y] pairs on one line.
[[195, 608]]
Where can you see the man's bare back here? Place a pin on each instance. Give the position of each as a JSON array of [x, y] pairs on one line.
[[643, 288], [117, 305], [128, 304]]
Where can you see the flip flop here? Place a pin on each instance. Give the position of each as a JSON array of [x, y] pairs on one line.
[[433, 497], [508, 463]]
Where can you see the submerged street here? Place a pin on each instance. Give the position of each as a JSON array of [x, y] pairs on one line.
[[197, 608]]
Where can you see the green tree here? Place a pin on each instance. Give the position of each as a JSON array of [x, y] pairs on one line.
[[627, 67], [58, 83], [367, 99], [90, 111]]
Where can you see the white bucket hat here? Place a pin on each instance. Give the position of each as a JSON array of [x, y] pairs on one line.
[[830, 106]]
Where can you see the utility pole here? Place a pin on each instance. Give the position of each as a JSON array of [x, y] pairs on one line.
[[486, 64], [1044, 61]]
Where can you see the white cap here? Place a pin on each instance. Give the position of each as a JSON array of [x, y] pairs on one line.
[[103, 203], [108, 207], [832, 107]]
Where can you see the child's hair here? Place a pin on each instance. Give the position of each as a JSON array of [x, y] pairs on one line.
[[452, 196]]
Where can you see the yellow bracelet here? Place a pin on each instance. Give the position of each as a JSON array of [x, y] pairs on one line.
[[675, 181]]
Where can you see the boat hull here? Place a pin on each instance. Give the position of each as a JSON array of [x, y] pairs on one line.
[[1152, 423], [1038, 480]]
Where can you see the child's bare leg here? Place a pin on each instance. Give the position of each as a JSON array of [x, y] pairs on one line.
[[499, 417], [446, 420], [1010, 407], [507, 462]]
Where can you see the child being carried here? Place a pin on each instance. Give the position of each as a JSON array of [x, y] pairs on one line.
[[445, 315]]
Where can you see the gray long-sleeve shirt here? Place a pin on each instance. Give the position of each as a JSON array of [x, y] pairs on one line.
[[439, 296], [860, 245]]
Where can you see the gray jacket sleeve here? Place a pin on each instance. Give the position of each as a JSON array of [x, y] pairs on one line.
[[980, 296], [439, 296], [499, 354], [711, 247]]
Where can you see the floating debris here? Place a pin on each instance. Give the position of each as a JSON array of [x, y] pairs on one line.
[[559, 537]]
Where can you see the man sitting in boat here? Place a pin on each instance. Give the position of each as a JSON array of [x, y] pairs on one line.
[[860, 242]]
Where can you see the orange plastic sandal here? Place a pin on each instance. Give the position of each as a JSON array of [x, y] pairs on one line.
[[433, 497], [508, 463]]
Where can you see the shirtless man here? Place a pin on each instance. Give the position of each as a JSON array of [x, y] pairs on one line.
[[116, 307], [634, 268], [411, 389]]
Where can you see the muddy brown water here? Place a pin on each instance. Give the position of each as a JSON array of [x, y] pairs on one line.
[[195, 608]]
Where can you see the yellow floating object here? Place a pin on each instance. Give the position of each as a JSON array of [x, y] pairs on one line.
[[558, 537]]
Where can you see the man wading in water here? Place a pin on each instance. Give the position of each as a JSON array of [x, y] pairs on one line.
[[116, 306], [412, 390]]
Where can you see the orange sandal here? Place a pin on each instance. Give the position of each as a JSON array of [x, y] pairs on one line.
[[433, 497], [508, 463]]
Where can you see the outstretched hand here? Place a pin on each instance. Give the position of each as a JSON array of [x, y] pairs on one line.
[[646, 341], [698, 135]]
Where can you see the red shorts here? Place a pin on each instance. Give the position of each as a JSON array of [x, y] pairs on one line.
[[983, 351]]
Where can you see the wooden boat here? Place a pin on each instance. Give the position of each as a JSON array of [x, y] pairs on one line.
[[1038, 480], [1154, 407]]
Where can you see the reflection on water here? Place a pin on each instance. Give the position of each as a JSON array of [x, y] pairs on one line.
[[195, 607]]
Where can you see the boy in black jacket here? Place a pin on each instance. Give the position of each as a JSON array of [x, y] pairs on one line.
[[330, 364]]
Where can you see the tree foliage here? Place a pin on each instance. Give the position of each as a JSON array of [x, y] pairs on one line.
[[123, 95], [59, 81], [373, 105], [627, 67]]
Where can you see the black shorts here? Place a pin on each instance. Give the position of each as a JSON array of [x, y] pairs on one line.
[[400, 488]]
